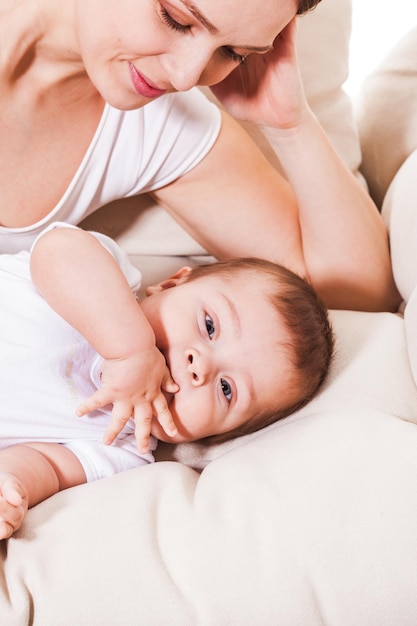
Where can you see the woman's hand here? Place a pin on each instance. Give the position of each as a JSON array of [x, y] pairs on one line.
[[267, 89]]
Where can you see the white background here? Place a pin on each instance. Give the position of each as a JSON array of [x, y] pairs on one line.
[[377, 25]]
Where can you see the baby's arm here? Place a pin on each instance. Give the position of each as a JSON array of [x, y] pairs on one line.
[[81, 280], [30, 473]]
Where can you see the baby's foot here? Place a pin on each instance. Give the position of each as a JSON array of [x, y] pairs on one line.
[[13, 504]]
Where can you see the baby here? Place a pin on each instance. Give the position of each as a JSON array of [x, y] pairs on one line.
[[216, 351]]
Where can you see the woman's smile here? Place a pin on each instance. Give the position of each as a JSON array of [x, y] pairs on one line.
[[143, 86]]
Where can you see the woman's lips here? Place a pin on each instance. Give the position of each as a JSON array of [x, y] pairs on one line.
[[142, 86]]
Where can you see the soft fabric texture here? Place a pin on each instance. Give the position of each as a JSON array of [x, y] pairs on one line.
[[312, 522], [387, 115], [370, 370], [399, 211]]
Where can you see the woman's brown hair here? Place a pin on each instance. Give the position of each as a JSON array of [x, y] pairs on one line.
[[306, 5]]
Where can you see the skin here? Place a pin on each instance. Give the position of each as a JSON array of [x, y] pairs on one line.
[[57, 72], [61, 60], [225, 365]]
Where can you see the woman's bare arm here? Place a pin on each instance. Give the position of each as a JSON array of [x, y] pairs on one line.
[[320, 223]]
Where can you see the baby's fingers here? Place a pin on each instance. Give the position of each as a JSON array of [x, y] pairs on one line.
[[168, 383], [164, 417], [96, 401], [121, 414], [143, 423]]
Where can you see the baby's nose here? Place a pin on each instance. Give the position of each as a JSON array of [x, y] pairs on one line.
[[198, 367]]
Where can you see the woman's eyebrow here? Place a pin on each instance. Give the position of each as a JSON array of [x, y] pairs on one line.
[[214, 30], [199, 16]]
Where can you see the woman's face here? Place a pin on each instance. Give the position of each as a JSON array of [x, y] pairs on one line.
[[135, 51]]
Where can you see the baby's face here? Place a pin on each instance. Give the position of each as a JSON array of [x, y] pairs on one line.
[[226, 348]]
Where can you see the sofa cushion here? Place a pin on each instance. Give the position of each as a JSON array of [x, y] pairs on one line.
[[370, 370], [314, 524], [387, 115], [312, 521], [399, 211]]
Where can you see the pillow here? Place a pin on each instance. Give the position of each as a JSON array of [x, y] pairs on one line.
[[370, 370], [312, 521], [142, 227], [313, 524], [387, 115], [323, 51], [410, 320], [399, 211]]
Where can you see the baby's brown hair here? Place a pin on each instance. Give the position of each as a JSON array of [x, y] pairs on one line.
[[306, 318]]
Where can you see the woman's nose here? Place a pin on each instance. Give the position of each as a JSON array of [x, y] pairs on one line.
[[188, 67], [198, 368], [184, 73]]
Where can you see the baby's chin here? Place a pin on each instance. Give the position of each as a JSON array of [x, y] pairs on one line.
[[182, 435], [177, 404]]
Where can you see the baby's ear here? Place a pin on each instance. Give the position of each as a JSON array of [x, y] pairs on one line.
[[181, 276]]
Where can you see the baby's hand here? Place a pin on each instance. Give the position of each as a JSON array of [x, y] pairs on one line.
[[13, 504], [134, 386]]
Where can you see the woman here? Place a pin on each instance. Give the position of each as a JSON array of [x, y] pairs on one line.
[[90, 111]]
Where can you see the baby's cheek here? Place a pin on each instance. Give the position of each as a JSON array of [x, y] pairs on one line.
[[192, 415]]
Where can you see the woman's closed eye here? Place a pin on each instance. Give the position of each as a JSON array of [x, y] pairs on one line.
[[234, 56], [173, 24]]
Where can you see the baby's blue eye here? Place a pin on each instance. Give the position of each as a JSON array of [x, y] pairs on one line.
[[210, 326], [226, 389]]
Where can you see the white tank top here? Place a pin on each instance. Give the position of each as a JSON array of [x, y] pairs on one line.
[[132, 152]]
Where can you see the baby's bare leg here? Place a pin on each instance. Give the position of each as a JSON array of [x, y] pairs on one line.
[[13, 504]]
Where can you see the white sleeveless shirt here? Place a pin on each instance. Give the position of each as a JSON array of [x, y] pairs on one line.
[[132, 152]]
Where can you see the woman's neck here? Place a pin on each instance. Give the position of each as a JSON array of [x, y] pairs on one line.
[[38, 36]]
